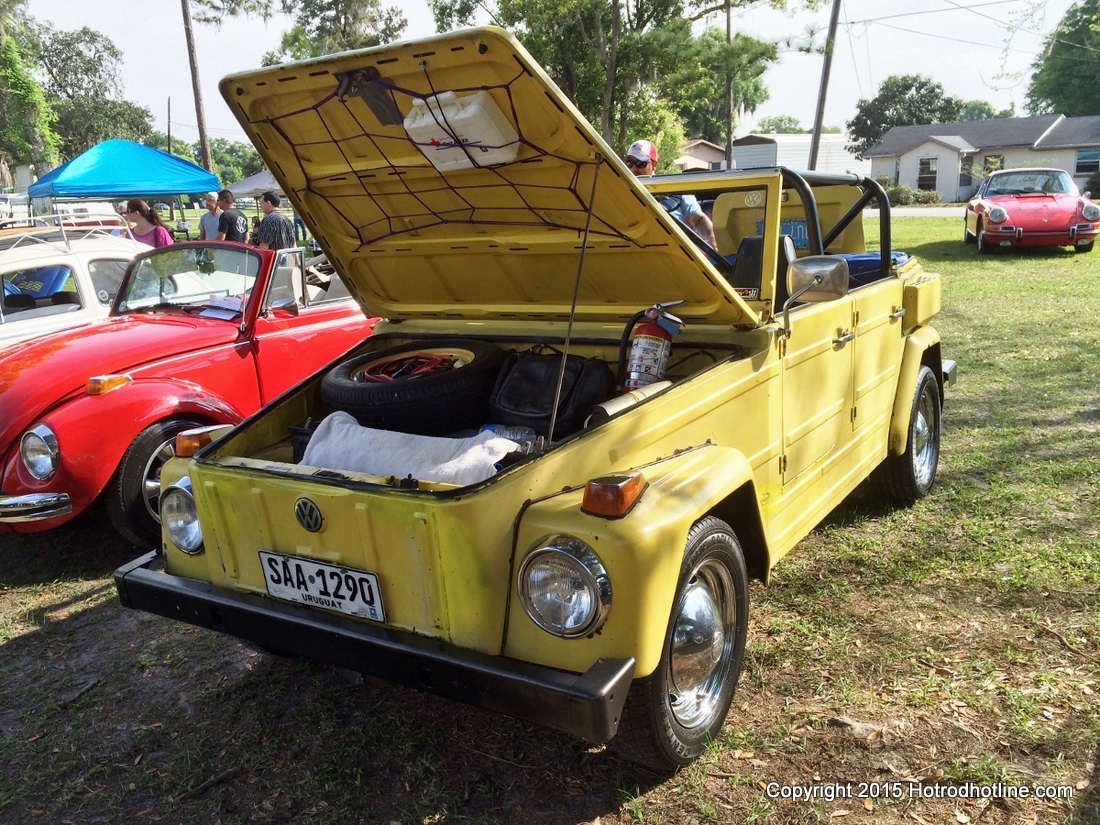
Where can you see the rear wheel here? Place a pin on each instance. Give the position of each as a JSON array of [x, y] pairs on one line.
[[133, 494], [672, 714], [909, 476]]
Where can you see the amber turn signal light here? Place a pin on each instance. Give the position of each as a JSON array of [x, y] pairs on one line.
[[190, 442], [101, 384], [613, 496]]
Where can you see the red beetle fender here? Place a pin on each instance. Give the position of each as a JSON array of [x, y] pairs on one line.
[[94, 432]]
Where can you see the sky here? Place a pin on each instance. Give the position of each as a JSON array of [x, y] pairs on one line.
[[969, 46]]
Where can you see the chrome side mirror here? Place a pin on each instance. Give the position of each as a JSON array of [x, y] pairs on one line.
[[815, 280], [285, 306]]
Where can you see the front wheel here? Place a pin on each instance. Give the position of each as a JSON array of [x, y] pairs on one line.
[[967, 237], [984, 247], [133, 494], [1082, 248], [908, 477], [672, 714]]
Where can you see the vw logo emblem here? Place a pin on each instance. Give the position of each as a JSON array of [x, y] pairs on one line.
[[308, 515], [753, 199]]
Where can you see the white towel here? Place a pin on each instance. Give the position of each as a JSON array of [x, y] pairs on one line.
[[340, 443]]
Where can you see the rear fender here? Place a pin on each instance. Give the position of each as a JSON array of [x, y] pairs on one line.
[[641, 551], [94, 432], [912, 359]]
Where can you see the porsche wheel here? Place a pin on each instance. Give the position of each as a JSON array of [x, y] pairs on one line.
[[967, 236], [133, 494], [672, 714], [1082, 248], [984, 247]]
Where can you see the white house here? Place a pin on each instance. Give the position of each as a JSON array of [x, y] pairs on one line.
[[790, 150], [952, 158]]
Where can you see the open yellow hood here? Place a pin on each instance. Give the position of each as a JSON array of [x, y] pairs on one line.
[[450, 177]]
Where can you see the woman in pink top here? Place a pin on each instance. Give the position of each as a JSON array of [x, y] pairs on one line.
[[145, 224]]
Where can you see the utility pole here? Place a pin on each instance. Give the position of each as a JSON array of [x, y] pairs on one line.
[[729, 95], [204, 140], [826, 66]]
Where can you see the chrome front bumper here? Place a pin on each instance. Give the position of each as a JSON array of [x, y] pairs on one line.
[[34, 507]]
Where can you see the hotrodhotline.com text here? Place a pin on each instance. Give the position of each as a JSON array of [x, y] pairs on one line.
[[829, 792]]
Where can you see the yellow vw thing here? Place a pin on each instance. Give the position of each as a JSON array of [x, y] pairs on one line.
[[671, 418]]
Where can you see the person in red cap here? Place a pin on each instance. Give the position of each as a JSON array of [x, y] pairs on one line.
[[641, 158]]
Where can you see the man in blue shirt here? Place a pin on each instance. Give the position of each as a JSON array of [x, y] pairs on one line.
[[641, 158]]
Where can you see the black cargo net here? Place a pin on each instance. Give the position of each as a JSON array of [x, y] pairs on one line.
[[413, 195]]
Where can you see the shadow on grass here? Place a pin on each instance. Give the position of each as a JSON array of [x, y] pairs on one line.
[[86, 547], [1087, 809], [109, 714]]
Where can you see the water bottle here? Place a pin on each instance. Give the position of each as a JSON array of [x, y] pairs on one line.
[[518, 434]]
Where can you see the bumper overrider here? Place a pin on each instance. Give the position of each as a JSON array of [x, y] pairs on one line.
[[587, 706], [34, 507]]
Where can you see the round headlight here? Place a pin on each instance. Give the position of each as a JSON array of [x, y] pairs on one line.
[[564, 587], [1090, 212], [180, 517], [997, 215], [40, 453]]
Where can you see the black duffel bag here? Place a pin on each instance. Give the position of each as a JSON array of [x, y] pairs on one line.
[[524, 392]]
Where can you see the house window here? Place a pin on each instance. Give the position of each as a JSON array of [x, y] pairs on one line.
[[1088, 161], [926, 174], [994, 162]]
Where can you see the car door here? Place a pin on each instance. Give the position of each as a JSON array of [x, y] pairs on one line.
[[817, 389], [879, 326], [293, 340]]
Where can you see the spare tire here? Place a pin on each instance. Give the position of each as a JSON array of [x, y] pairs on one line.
[[426, 388]]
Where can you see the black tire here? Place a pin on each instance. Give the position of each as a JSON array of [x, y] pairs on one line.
[[967, 237], [437, 403], [133, 494], [661, 728], [905, 478], [983, 245], [1080, 250]]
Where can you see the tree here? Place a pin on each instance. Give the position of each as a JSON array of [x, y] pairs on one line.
[[984, 110], [780, 125], [159, 140], [902, 100], [327, 26], [1067, 72], [81, 76], [233, 160], [26, 119]]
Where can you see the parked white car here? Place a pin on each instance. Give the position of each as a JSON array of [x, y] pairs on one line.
[[55, 280]]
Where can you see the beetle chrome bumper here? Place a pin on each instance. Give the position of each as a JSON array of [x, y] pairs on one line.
[[34, 507], [587, 706]]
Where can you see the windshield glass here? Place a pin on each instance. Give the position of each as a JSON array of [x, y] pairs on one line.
[[1032, 182], [216, 281]]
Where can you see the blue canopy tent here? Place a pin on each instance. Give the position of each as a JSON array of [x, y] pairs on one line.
[[117, 169]]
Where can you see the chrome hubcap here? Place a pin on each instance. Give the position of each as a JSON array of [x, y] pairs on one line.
[[150, 484], [924, 435], [702, 644]]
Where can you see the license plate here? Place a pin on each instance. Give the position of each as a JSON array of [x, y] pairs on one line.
[[328, 586], [795, 227]]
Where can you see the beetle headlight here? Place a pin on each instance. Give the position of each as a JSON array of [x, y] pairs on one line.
[[997, 215], [564, 587], [40, 453], [180, 517], [1090, 212]]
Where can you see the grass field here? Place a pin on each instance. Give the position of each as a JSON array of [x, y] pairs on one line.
[[897, 654]]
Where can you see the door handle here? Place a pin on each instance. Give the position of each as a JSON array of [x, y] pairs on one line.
[[844, 338], [899, 312]]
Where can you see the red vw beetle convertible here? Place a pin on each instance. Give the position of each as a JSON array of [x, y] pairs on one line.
[[1031, 207], [199, 334]]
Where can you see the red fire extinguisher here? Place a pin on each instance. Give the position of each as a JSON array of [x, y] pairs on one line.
[[650, 347]]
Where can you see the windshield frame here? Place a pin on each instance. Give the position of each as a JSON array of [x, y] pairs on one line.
[[239, 279]]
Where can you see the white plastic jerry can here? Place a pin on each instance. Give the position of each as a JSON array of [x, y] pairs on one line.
[[462, 132]]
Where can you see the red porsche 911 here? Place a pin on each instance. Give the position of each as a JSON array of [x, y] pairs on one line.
[[1031, 207]]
